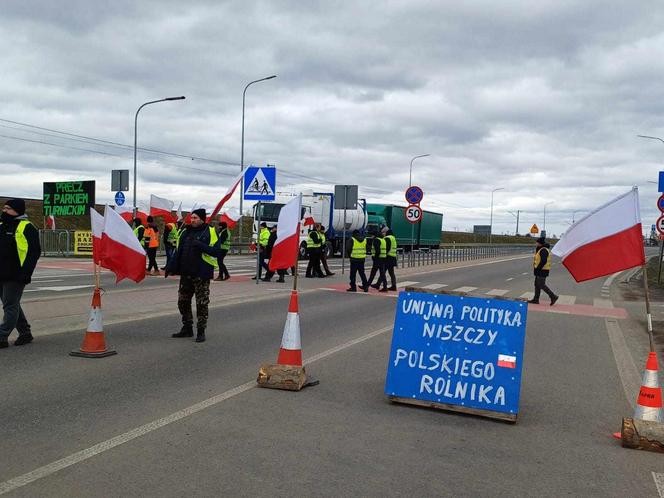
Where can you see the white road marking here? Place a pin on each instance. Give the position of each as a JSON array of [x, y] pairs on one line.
[[629, 374], [525, 273], [564, 299], [465, 289], [34, 280], [80, 456], [509, 279], [407, 283], [434, 286], [527, 295], [659, 483], [602, 303], [497, 292]]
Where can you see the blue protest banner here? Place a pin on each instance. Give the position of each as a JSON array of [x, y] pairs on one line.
[[260, 184], [462, 353]]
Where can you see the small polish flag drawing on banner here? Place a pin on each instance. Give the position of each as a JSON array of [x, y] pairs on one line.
[[506, 361]]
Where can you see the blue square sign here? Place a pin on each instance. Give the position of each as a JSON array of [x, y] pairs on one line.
[[458, 351], [260, 184]]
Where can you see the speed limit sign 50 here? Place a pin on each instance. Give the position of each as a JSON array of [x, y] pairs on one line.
[[413, 213]]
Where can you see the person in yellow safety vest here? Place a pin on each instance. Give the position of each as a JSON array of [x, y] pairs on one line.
[[224, 246], [374, 244], [541, 268], [263, 238], [195, 261], [170, 241], [139, 231], [151, 242], [323, 251], [19, 252], [381, 253], [356, 250], [313, 251], [391, 262]]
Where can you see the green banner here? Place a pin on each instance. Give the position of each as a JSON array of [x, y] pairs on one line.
[[69, 198]]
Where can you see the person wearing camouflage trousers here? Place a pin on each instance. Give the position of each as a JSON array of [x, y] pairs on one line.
[[195, 260]]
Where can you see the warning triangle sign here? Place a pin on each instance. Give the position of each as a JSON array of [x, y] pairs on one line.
[[534, 229], [259, 185]]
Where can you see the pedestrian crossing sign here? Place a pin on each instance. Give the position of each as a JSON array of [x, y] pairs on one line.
[[534, 229], [259, 184]]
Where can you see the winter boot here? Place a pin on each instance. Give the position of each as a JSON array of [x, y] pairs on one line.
[[200, 335], [186, 331]]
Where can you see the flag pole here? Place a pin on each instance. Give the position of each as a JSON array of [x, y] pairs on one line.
[[648, 314]]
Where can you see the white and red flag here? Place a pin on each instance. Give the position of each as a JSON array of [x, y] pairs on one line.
[[286, 247], [506, 361], [97, 224], [227, 195], [122, 253], [162, 207], [127, 214], [50, 222], [308, 220], [178, 213], [230, 217], [606, 241]]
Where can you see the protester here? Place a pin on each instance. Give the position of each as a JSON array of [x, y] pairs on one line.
[[542, 266], [374, 244], [323, 251], [270, 245], [391, 261], [170, 241], [356, 250], [313, 251], [224, 247], [263, 237], [195, 261], [381, 253], [19, 252], [151, 244]]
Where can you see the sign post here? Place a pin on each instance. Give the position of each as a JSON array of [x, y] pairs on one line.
[[69, 198], [260, 184], [349, 195], [458, 353], [414, 196]]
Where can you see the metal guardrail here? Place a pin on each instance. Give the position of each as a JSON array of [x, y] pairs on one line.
[[423, 257], [56, 242]]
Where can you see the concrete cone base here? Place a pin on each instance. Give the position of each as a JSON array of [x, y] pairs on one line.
[[285, 377]]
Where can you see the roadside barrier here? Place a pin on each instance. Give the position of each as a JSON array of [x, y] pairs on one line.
[[290, 352], [94, 342], [649, 402], [423, 257]]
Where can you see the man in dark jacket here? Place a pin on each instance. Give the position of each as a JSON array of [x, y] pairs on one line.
[[313, 250], [195, 261], [224, 245], [19, 252], [542, 265], [268, 254]]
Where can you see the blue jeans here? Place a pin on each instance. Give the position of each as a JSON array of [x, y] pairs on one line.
[[14, 318]]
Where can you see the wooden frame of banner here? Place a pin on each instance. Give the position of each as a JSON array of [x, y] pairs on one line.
[[505, 417]]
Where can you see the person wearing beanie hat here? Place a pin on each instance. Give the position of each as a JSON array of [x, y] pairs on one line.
[[19, 252], [195, 260], [542, 266]]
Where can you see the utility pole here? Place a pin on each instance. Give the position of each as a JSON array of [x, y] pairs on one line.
[[518, 211]]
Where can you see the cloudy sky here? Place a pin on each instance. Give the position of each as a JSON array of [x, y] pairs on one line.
[[543, 99]]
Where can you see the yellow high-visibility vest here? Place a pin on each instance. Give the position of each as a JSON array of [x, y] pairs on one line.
[[359, 250], [538, 258]]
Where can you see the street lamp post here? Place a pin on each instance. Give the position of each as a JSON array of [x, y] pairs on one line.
[[491, 218], [410, 184], [544, 224], [244, 96], [167, 99]]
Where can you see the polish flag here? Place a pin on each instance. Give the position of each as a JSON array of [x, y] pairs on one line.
[[122, 253], [127, 214], [286, 247], [178, 213], [97, 223], [606, 241], [308, 221], [506, 361], [227, 195], [161, 207], [50, 222], [231, 217]]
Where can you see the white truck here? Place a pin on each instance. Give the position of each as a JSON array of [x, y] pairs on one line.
[[320, 206]]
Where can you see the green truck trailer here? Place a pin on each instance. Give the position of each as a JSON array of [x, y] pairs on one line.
[[426, 233]]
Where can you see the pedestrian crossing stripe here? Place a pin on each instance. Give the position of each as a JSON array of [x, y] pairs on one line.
[[465, 289], [497, 292], [434, 286], [527, 295], [563, 299], [407, 283]]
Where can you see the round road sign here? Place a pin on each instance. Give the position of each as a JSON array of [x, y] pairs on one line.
[[414, 195], [119, 199], [660, 224], [660, 203], [413, 213]]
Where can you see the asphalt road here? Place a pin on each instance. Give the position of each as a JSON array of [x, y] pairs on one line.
[[341, 438]]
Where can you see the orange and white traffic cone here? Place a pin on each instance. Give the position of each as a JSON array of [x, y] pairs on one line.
[[649, 402], [290, 352], [94, 343]]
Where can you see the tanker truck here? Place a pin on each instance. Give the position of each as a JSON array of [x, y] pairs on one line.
[[319, 206]]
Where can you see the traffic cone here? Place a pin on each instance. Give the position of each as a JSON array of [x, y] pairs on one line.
[[649, 402], [290, 352], [94, 343]]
